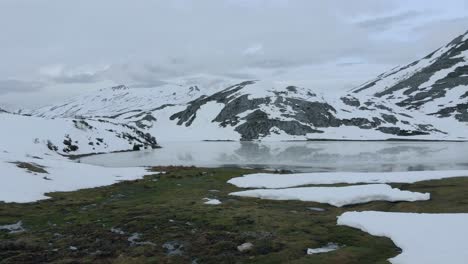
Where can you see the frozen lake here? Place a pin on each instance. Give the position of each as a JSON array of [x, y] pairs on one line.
[[299, 156]]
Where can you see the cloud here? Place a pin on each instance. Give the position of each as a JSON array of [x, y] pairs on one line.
[[142, 43], [18, 86], [255, 49], [386, 22]]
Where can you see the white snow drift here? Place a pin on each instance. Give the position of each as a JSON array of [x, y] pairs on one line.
[[424, 238], [21, 185], [267, 180], [337, 196]]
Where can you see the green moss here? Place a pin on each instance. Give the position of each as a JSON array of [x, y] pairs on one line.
[[169, 208]]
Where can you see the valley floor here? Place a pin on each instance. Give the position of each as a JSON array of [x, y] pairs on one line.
[[175, 218]]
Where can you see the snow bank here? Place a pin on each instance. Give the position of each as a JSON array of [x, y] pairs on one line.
[[21, 185], [328, 248], [424, 238], [337, 196], [267, 180], [211, 201]]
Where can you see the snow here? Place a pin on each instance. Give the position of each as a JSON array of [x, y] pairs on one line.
[[337, 196], [441, 74], [316, 209], [267, 180], [328, 248], [424, 238], [13, 228], [451, 99], [211, 201]]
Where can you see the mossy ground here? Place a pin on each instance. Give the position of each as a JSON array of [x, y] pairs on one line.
[[75, 227]]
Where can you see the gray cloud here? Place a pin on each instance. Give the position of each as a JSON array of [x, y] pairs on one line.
[[385, 22], [17, 86], [142, 43], [78, 78]]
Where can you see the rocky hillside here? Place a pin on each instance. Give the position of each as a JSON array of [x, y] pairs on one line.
[[435, 85]]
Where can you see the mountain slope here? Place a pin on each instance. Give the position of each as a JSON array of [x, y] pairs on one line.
[[435, 85]]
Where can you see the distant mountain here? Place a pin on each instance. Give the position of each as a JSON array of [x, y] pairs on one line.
[[435, 85]]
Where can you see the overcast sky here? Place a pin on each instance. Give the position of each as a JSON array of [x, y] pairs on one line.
[[53, 49]]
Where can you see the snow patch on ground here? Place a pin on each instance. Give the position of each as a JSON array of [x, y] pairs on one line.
[[424, 238], [13, 228], [267, 180], [211, 201], [22, 186], [337, 196], [328, 248]]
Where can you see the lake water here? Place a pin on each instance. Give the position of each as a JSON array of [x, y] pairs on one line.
[[298, 156]]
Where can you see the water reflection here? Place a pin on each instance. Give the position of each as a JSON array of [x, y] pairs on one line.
[[299, 156]]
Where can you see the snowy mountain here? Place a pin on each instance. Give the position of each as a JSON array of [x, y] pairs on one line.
[[436, 85], [248, 110]]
